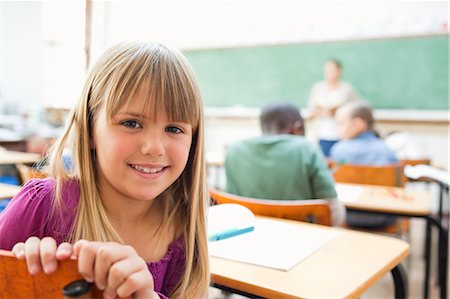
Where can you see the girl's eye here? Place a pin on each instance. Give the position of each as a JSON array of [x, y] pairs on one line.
[[174, 130], [131, 124]]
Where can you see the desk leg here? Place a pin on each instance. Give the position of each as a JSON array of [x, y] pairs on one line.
[[443, 264], [442, 256], [427, 259], [400, 282]]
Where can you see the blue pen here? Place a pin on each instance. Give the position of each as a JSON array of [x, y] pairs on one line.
[[230, 233]]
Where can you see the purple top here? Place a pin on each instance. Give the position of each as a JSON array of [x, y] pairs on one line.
[[28, 214]]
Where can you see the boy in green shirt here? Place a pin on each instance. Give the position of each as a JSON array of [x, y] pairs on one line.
[[280, 164]]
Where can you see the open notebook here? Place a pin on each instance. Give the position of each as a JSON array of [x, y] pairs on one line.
[[271, 243]]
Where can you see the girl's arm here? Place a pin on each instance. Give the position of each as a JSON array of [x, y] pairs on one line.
[[116, 269]]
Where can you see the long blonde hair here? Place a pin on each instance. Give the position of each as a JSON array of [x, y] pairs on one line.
[[165, 75]]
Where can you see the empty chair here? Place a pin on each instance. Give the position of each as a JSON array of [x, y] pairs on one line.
[[388, 175], [313, 211]]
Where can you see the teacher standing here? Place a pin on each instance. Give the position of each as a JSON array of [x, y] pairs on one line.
[[325, 98]]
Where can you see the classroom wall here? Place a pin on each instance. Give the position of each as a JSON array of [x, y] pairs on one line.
[[21, 57]]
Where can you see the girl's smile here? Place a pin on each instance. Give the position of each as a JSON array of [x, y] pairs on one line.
[[148, 170]]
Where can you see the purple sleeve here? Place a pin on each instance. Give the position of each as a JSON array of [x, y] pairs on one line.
[[169, 270], [26, 214], [176, 266]]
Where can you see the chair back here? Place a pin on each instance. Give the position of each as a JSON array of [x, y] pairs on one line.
[[17, 283], [313, 211], [388, 175], [27, 173], [414, 163]]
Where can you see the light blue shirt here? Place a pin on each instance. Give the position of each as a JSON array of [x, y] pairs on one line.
[[365, 149]]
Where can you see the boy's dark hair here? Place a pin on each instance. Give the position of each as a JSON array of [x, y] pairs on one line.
[[363, 111], [277, 118]]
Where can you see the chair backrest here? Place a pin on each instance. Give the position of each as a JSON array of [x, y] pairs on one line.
[[389, 175], [314, 211], [414, 163], [17, 283], [26, 173]]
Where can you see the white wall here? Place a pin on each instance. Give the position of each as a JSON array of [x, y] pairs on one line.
[[21, 57], [197, 24]]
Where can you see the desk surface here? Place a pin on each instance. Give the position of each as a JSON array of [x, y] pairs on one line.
[[386, 199], [8, 190], [14, 157], [345, 267]]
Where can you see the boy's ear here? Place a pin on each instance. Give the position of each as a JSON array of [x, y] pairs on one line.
[[297, 129], [359, 124]]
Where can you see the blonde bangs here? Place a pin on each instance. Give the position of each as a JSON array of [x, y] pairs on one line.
[[163, 76]]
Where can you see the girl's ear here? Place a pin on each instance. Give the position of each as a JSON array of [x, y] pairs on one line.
[[91, 140], [91, 143]]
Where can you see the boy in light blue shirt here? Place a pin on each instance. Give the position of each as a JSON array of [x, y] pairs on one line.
[[359, 143]]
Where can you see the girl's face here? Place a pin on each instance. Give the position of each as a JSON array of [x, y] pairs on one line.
[[138, 157]]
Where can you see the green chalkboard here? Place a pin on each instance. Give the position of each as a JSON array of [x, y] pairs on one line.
[[389, 73]]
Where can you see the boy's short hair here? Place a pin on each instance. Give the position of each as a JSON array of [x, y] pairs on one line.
[[276, 118], [362, 110]]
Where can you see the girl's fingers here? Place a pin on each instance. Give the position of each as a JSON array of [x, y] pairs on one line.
[[116, 269], [108, 254], [86, 259], [47, 252], [121, 275], [32, 255], [138, 284], [77, 246], [64, 251], [19, 250]]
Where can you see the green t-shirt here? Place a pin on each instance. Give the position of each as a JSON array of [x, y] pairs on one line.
[[278, 167]]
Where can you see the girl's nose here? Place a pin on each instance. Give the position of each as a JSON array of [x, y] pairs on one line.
[[153, 144]]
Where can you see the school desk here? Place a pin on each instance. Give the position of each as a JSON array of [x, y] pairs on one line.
[[14, 157], [404, 203], [8, 190], [344, 267]]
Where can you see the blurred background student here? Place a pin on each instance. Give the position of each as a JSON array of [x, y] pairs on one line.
[[280, 164], [361, 145], [325, 97]]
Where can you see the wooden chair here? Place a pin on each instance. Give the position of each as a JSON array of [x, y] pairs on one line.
[[17, 283], [26, 173], [414, 163], [314, 211], [388, 175]]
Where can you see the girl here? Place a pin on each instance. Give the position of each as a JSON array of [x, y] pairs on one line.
[[133, 204]]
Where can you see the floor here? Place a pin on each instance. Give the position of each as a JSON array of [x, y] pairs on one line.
[[414, 265]]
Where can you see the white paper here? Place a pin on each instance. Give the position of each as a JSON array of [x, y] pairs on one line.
[[426, 171], [272, 244], [348, 193]]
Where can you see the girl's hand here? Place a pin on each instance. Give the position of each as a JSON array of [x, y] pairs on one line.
[[42, 254], [116, 269]]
